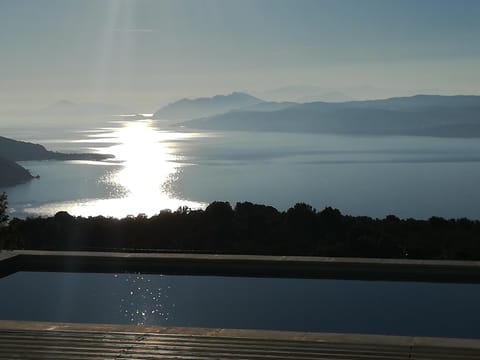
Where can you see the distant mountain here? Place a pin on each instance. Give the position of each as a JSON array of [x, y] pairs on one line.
[[429, 115], [332, 96], [268, 106], [15, 150], [193, 108], [304, 93], [69, 108], [12, 174], [419, 102]]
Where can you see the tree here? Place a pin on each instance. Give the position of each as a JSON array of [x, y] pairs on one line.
[[3, 209], [219, 211]]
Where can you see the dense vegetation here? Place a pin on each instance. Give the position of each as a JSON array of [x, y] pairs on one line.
[[252, 229], [3, 210]]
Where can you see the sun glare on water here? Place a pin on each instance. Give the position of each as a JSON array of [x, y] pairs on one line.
[[147, 162]]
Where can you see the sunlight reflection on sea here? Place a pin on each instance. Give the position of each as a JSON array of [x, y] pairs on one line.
[[148, 162]]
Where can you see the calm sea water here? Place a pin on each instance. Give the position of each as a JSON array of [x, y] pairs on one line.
[[158, 167], [376, 307]]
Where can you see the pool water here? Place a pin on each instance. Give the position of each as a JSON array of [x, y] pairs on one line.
[[319, 305]]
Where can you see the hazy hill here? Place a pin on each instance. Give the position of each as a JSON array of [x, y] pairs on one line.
[[332, 96], [12, 174], [207, 106], [268, 106], [416, 102], [430, 115], [304, 93], [15, 150]]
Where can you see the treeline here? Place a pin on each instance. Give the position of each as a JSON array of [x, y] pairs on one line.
[[252, 229]]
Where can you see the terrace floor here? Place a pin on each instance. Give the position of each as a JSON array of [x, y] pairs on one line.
[[43, 340]]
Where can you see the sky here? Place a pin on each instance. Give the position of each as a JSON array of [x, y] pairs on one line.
[[145, 53]]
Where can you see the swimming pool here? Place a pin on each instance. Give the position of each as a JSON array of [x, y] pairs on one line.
[[311, 305]]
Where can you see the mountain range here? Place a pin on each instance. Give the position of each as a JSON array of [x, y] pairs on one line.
[[303, 93], [425, 115], [207, 106]]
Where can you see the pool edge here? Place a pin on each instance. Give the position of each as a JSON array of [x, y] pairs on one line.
[[243, 265]]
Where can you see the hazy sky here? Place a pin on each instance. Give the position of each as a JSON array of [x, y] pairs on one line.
[[146, 52]]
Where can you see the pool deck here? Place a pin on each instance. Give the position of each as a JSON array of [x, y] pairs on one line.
[[43, 340], [37, 340]]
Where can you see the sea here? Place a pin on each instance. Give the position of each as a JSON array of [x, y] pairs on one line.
[[156, 166]]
